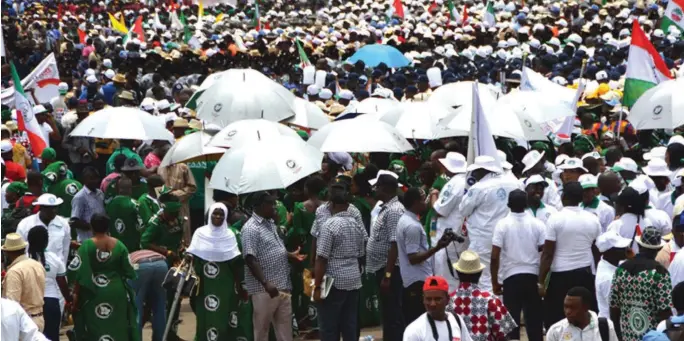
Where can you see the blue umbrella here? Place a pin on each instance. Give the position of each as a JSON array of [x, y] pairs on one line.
[[375, 54]]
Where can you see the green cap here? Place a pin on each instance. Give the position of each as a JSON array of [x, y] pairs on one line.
[[48, 154]]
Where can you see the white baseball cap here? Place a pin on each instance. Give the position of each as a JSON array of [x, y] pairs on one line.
[[588, 181], [572, 163], [611, 239], [626, 164], [657, 167]]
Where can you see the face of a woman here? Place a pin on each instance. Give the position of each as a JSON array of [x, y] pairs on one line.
[[218, 217]]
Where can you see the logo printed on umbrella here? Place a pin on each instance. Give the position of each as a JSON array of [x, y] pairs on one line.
[[657, 110], [528, 124], [292, 164], [227, 182], [91, 130], [218, 107], [230, 134]]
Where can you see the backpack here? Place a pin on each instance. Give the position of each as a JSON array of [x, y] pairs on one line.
[[674, 329], [11, 217]]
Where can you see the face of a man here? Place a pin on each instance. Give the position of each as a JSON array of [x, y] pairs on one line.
[[574, 309], [435, 301]]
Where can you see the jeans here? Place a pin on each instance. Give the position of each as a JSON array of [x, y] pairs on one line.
[[413, 302], [338, 315], [148, 290], [520, 293], [390, 306], [53, 318]]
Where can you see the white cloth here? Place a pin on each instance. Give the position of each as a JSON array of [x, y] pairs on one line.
[[519, 235], [564, 331], [4, 190], [54, 267], [664, 203], [604, 278], [543, 213], [660, 220], [46, 130], [446, 206], [215, 243], [420, 330], [484, 205], [626, 227], [551, 195], [574, 232], [677, 269], [16, 323], [604, 212], [59, 234]]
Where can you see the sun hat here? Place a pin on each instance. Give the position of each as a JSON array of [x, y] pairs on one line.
[[502, 160], [48, 200], [383, 177], [650, 238], [484, 162], [611, 239], [180, 123], [593, 154], [119, 78], [535, 179], [655, 153], [588, 181], [657, 167], [454, 162], [14, 242], [572, 163], [469, 263], [5, 146], [531, 159]]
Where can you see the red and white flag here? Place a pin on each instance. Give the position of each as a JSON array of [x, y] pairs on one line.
[[26, 121]]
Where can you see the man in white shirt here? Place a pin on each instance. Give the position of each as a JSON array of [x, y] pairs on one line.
[[47, 124], [676, 242], [518, 239], [568, 251], [534, 162], [591, 202], [580, 324], [436, 324], [59, 231], [16, 323], [613, 248], [659, 219], [449, 216], [535, 187], [58, 103], [483, 206]]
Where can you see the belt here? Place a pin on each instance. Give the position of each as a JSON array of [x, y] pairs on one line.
[[36, 315], [150, 259]]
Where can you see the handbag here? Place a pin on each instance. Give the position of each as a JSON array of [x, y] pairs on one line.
[[174, 275]]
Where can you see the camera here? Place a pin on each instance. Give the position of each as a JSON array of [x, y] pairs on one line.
[[452, 236]]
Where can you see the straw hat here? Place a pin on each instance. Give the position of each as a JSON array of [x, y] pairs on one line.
[[469, 263], [119, 78], [180, 123], [14, 242]]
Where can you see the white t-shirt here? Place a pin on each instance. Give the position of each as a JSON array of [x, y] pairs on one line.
[[564, 331], [574, 232], [47, 130], [677, 268], [420, 330], [519, 236], [604, 277], [54, 267], [543, 213]]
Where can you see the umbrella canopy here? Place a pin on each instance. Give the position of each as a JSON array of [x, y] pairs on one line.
[[209, 81], [418, 120], [246, 132], [661, 107], [458, 97], [265, 165], [541, 109], [373, 55], [308, 115], [369, 105], [359, 136], [192, 147], [125, 123], [241, 94]]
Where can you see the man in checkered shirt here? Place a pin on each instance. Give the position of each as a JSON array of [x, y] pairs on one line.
[[341, 246], [267, 275], [382, 254]]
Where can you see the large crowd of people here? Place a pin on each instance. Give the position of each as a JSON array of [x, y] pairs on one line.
[[575, 237]]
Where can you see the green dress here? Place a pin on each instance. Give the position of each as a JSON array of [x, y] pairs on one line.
[[106, 303], [300, 236], [65, 189], [124, 221], [244, 330], [147, 207]]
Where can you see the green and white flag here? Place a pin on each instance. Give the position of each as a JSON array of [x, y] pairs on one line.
[[674, 15], [489, 17], [645, 67], [453, 12]]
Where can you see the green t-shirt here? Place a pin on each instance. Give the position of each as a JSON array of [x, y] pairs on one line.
[[125, 151], [147, 208], [124, 221], [111, 191], [160, 233], [65, 189], [199, 170]]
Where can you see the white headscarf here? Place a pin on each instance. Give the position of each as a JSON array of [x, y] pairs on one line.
[[214, 243]]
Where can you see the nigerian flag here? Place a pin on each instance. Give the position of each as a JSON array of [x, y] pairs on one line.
[[674, 15], [645, 67], [489, 16]]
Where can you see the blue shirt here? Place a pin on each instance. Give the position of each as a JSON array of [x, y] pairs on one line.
[[411, 238], [108, 91]]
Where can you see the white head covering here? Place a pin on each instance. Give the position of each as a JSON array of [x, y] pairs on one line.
[[214, 243]]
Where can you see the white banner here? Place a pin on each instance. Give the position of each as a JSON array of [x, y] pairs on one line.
[[2, 43], [40, 85]]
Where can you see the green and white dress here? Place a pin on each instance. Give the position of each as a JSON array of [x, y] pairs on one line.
[[106, 303], [125, 223]]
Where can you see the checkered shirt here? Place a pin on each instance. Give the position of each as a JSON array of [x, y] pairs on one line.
[[261, 240], [323, 214], [485, 315], [382, 234], [342, 242]]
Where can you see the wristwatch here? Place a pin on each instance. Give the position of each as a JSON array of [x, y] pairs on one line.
[[388, 274]]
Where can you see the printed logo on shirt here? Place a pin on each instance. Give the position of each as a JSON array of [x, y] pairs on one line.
[[119, 225], [638, 320], [501, 194], [212, 303], [71, 189], [233, 323], [103, 256], [75, 263], [103, 311], [140, 223], [47, 267], [312, 313], [567, 336], [212, 334], [101, 280], [106, 338], [446, 195], [211, 270]]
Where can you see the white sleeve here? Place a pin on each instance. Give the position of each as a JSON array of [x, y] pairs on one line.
[[551, 196], [412, 332], [28, 330], [676, 271], [551, 230], [554, 333], [447, 200], [471, 200], [67, 239], [499, 232], [611, 329]]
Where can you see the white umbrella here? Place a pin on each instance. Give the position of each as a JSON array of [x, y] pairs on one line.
[[308, 115], [505, 121], [126, 123], [359, 136], [241, 94], [534, 105], [190, 148], [209, 81], [246, 132], [369, 105], [661, 107], [458, 97], [265, 165], [418, 120]]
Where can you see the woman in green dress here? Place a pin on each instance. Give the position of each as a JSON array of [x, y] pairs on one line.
[[104, 307], [217, 261]]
